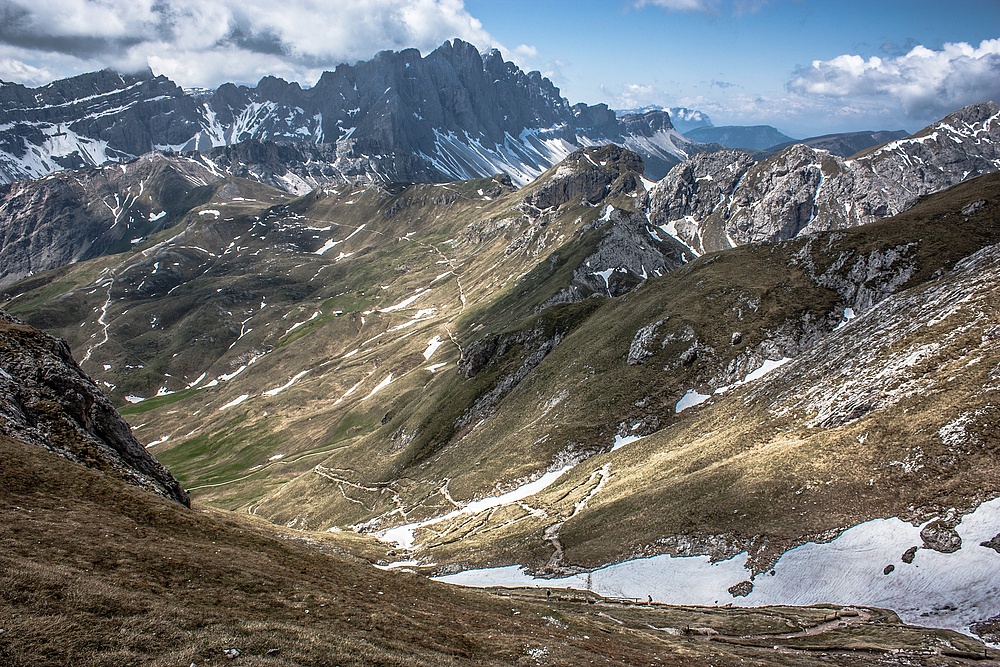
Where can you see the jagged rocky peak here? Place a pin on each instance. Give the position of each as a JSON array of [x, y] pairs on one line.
[[590, 174], [802, 189], [48, 401], [400, 117], [696, 186]]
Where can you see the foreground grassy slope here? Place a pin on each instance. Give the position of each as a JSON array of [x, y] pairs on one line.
[[97, 573]]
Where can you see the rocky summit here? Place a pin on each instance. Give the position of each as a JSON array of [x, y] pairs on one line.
[[717, 201], [400, 117]]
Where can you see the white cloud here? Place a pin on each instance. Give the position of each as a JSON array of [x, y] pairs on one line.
[[678, 5], [633, 96], [739, 7], [12, 69], [525, 51], [925, 83], [206, 42]]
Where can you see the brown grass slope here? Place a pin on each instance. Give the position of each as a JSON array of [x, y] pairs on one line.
[[93, 572]]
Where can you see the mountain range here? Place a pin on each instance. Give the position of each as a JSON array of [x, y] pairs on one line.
[[400, 117], [757, 380]]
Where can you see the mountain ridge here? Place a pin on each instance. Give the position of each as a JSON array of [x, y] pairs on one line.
[[452, 114]]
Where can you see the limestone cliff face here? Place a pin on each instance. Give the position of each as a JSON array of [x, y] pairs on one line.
[[47, 401], [716, 201], [453, 114], [79, 215]]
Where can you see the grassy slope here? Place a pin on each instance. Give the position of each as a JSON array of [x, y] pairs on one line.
[[749, 468], [400, 447], [97, 573]]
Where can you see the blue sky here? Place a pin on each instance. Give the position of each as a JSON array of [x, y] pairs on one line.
[[735, 61], [805, 66]]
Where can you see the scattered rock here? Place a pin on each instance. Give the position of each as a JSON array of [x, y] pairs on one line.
[[988, 629], [642, 342], [969, 209], [231, 653], [888, 569], [992, 543], [689, 355], [939, 536], [742, 589], [737, 338], [909, 554]]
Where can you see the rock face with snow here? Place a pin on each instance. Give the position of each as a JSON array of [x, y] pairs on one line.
[[803, 190], [400, 117], [74, 216], [46, 400], [89, 120]]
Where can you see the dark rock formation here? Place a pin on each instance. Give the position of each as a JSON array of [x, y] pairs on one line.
[[47, 401], [589, 175], [399, 117], [939, 536]]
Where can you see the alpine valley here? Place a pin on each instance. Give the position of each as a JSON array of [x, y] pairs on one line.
[[688, 404]]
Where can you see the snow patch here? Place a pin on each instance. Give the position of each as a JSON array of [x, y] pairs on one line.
[[690, 399], [937, 589], [432, 346], [278, 390], [403, 536], [236, 401]]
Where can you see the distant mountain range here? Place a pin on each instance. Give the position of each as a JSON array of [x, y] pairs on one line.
[[844, 144], [754, 137], [683, 119], [400, 117]]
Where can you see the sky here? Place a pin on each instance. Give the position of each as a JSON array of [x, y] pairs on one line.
[[807, 67]]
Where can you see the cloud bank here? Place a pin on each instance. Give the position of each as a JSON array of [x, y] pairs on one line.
[[199, 43], [925, 83]]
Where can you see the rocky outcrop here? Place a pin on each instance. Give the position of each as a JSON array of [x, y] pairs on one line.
[[79, 215], [861, 279], [589, 175], [629, 252], [694, 191], [534, 345], [804, 190], [940, 536], [47, 401]]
